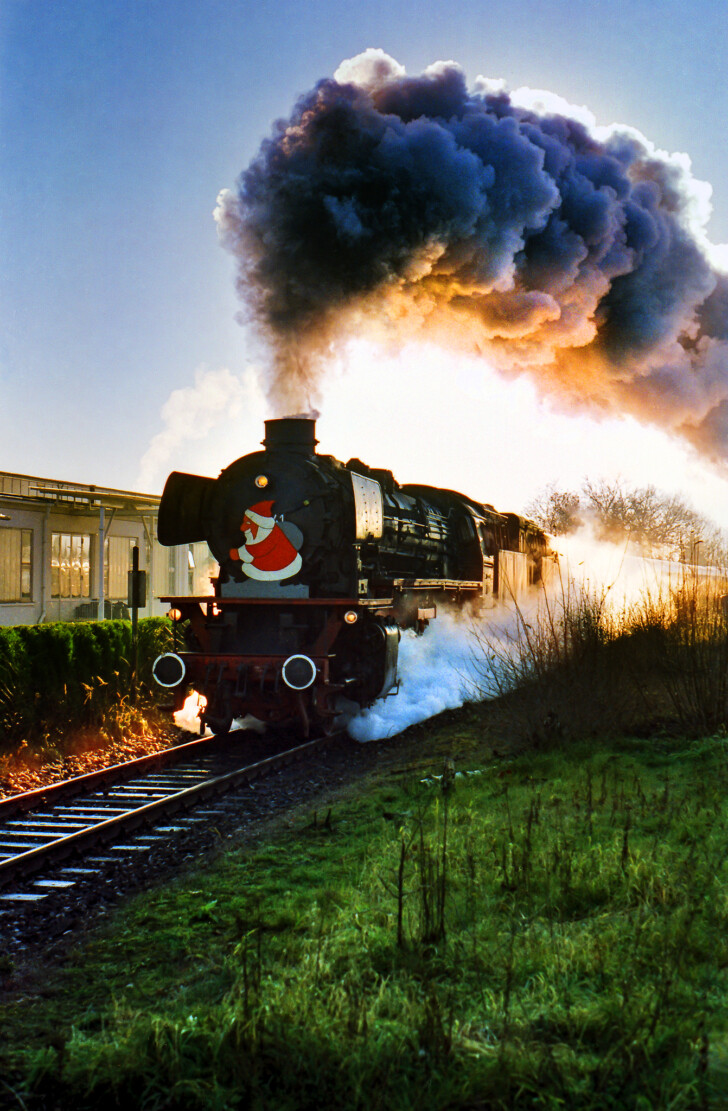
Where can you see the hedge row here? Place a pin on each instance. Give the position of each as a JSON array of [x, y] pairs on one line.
[[65, 675]]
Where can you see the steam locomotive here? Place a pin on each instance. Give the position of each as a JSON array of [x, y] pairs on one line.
[[321, 565]]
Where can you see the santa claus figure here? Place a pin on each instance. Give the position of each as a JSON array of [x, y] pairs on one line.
[[269, 552]]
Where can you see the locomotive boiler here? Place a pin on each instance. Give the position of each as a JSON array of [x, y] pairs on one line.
[[321, 565]]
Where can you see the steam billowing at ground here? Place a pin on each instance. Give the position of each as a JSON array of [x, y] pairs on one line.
[[436, 672], [415, 206], [463, 657]]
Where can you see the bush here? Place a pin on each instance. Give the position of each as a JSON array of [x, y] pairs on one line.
[[17, 712], [154, 638], [59, 676]]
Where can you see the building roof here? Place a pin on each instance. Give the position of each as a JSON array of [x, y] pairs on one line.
[[29, 489]]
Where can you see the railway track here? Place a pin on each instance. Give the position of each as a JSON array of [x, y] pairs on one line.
[[55, 838]]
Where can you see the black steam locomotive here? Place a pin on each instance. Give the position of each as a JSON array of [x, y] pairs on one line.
[[322, 564]]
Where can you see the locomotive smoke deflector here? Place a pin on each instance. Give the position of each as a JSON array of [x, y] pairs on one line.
[[183, 508]]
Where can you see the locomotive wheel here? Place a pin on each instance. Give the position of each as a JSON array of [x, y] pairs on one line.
[[325, 727], [302, 724], [324, 716]]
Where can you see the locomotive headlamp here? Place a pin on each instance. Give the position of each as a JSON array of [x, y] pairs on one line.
[[351, 617], [298, 672], [169, 669], [261, 481]]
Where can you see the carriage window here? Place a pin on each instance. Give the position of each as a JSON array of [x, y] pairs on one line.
[[487, 539]]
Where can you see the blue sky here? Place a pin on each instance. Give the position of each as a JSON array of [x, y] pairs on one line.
[[120, 356]]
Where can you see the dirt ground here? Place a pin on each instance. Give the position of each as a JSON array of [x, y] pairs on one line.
[[26, 768]]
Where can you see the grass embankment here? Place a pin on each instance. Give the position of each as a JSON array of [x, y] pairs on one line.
[[549, 931]]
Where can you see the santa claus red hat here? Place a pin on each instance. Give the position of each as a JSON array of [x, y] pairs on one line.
[[261, 513]]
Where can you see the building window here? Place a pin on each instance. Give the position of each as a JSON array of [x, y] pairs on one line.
[[117, 564], [16, 564], [70, 565], [201, 565]]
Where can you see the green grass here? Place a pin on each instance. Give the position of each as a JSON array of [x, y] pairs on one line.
[[546, 932]]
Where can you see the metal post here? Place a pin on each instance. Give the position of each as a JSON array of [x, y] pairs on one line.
[[101, 564], [45, 561], [134, 619]]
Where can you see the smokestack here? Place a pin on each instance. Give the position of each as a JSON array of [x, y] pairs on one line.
[[291, 434]]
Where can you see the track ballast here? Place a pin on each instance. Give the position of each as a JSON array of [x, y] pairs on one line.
[[98, 835]]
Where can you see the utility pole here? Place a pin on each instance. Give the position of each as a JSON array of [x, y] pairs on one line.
[[137, 598]]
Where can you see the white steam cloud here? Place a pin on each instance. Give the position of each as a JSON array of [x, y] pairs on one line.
[[437, 671], [191, 413]]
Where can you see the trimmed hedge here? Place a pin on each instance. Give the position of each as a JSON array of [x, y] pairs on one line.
[[64, 675]]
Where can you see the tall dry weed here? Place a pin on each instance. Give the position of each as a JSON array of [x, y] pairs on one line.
[[573, 663], [553, 665], [680, 650]]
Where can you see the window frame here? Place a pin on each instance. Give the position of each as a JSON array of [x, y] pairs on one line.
[[73, 563], [122, 593], [22, 570]]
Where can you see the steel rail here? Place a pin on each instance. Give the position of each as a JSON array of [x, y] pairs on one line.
[[33, 860], [115, 773]]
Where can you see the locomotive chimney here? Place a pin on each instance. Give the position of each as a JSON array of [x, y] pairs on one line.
[[291, 434]]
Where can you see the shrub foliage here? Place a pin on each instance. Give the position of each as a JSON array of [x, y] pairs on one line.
[[59, 675]]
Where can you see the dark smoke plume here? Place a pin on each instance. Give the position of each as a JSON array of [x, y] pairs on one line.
[[416, 207]]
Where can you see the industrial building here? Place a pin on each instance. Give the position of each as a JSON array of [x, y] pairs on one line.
[[66, 550]]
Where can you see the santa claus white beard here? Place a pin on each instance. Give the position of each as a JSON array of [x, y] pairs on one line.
[[261, 533]]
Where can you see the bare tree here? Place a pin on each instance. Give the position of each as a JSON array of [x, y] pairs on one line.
[[662, 525], [557, 511]]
